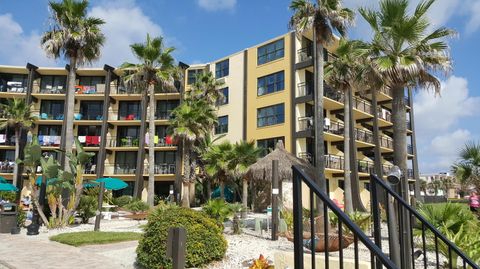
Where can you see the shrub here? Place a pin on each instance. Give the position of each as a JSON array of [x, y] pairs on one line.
[[137, 206], [87, 207], [122, 200], [8, 196], [218, 209], [205, 242], [21, 218]]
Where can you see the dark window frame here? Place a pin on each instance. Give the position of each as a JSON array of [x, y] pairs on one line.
[[223, 100], [221, 128], [222, 68], [269, 143], [192, 75], [277, 85], [271, 118], [270, 52]]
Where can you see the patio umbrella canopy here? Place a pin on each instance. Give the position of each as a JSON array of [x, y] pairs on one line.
[[3, 180], [40, 179], [112, 183], [262, 169], [7, 187]]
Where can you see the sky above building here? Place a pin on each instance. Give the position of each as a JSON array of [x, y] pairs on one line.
[[205, 30]]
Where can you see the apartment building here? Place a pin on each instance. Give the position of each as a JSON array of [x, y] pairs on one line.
[[106, 122], [278, 94]]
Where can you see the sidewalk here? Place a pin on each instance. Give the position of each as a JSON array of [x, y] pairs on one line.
[[20, 251]]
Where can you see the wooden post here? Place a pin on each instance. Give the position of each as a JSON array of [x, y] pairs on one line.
[[176, 244], [275, 192], [99, 210]]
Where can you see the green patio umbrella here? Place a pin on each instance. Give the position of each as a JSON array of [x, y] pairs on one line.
[[7, 187], [111, 183], [49, 181]]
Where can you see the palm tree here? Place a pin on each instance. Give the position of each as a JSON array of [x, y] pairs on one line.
[[191, 122], [18, 115], [206, 87], [467, 169], [323, 17], [157, 68], [76, 38], [244, 154], [406, 54], [340, 73], [218, 163]]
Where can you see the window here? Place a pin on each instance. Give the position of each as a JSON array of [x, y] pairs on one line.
[[192, 75], [270, 52], [165, 108], [223, 100], [222, 125], [270, 115], [89, 130], [271, 83], [129, 110], [54, 130], [53, 84], [51, 110], [125, 162], [91, 110], [91, 81], [128, 136], [165, 157], [221, 69], [268, 144]]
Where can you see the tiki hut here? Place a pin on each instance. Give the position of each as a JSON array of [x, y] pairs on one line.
[[260, 174]]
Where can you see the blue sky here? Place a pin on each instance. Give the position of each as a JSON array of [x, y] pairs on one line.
[[204, 30]]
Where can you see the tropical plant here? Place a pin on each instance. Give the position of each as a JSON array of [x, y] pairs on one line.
[[78, 39], [261, 263], [204, 242], [323, 17], [467, 169], [87, 207], [218, 160], [244, 154], [191, 121], [18, 115], [405, 53], [206, 87], [122, 200], [137, 206], [218, 210], [157, 68], [361, 219]]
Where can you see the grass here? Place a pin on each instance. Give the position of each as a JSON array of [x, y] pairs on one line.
[[94, 238]]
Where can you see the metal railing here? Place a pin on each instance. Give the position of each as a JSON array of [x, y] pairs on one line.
[[384, 114], [410, 149], [305, 54], [426, 239], [130, 141], [362, 105], [53, 90], [334, 162], [305, 123], [365, 167], [363, 135], [386, 142], [47, 115], [333, 94], [163, 115], [335, 127], [410, 174], [307, 157], [386, 91], [305, 88], [344, 233], [130, 169]]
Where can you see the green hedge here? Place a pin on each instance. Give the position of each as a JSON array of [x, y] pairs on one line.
[[205, 241]]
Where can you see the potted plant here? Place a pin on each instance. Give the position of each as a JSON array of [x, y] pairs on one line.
[[21, 217]]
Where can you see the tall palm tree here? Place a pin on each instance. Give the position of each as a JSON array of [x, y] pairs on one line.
[[218, 163], [206, 87], [467, 169], [157, 68], [244, 154], [406, 53], [78, 39], [323, 17], [340, 73], [18, 116], [191, 122]]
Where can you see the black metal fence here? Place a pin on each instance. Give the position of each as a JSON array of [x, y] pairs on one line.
[[420, 244], [324, 235]]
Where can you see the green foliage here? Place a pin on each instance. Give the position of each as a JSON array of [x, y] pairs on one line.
[[122, 200], [287, 215], [218, 209], [21, 218], [450, 216], [94, 238], [362, 220], [205, 242], [8, 196], [87, 207], [137, 206]]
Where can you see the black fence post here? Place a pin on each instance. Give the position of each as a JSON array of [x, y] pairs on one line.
[[176, 243], [297, 220], [98, 214], [377, 234], [275, 192]]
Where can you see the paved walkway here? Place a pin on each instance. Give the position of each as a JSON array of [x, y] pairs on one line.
[[21, 251]]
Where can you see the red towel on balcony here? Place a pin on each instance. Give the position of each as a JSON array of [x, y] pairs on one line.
[[168, 140], [88, 140], [95, 140]]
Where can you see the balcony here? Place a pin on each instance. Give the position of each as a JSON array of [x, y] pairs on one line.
[[90, 89], [7, 167], [90, 170], [363, 135], [386, 169], [48, 115], [334, 162], [49, 140], [386, 91], [305, 54], [362, 105], [384, 114], [122, 168], [410, 149], [305, 123], [127, 141], [130, 115], [306, 156], [162, 169], [130, 169], [14, 87], [366, 167], [335, 127], [7, 140], [386, 142], [87, 116], [163, 115], [53, 90], [305, 89], [333, 94], [89, 140]]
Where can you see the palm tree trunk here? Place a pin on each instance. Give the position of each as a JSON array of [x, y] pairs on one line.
[[399, 120], [319, 140], [186, 175], [70, 103], [17, 154], [346, 158], [151, 147], [222, 187], [244, 197]]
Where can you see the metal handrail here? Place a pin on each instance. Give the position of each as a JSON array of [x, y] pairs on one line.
[[298, 177], [374, 181]]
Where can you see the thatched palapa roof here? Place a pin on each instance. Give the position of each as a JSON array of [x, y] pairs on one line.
[[262, 169]]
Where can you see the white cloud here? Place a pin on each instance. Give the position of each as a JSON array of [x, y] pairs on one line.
[[442, 123], [18, 47], [214, 5], [434, 114], [125, 24], [474, 23]]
